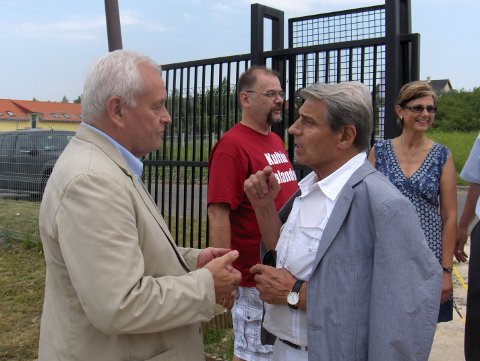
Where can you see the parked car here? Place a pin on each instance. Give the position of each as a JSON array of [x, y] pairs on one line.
[[27, 158]]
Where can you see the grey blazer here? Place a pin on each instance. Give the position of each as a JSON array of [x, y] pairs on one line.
[[117, 288], [375, 289]]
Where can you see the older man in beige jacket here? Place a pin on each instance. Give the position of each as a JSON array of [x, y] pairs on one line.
[[117, 286]]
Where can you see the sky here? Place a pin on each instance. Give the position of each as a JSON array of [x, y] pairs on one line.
[[48, 46]]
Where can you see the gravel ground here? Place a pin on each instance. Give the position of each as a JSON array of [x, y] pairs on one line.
[[449, 336]]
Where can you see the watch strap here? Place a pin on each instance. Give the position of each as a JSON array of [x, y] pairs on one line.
[[296, 289], [297, 286], [447, 269]]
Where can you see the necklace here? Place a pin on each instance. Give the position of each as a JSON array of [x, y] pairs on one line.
[[409, 156], [413, 152]]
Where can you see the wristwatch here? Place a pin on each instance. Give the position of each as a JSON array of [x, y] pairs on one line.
[[293, 296], [448, 269]]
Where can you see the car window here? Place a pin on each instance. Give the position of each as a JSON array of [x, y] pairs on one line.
[[6, 144], [54, 141], [24, 144]]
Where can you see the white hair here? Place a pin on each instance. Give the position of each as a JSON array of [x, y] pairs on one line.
[[114, 74]]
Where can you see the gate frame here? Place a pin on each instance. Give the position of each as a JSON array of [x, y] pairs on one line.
[[400, 53], [402, 50]]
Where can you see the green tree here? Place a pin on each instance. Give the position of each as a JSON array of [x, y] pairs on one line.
[[459, 111]]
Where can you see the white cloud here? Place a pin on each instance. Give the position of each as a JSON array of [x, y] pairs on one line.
[[131, 18], [155, 27], [128, 17], [223, 7], [316, 6], [79, 29], [188, 17], [73, 29]]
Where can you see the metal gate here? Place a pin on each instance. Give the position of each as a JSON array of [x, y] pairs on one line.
[[372, 45]]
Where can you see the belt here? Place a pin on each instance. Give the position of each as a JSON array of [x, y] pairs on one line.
[[292, 345]]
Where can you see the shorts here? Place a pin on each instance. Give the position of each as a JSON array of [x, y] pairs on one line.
[[247, 320]]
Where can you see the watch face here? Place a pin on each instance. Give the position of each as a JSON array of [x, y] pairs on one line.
[[293, 298]]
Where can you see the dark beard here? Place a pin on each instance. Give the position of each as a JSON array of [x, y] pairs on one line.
[[271, 120]]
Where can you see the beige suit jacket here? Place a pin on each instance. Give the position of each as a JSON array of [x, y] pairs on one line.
[[117, 288]]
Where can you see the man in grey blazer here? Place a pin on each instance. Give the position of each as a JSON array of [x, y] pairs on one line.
[[117, 287], [354, 278]]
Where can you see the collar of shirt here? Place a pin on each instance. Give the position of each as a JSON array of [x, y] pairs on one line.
[[297, 246], [333, 184], [135, 164]]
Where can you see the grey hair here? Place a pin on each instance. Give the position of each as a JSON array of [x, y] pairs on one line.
[[114, 74], [347, 103]]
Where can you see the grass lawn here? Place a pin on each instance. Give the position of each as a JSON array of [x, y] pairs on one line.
[[19, 220], [459, 143], [22, 277], [22, 280]]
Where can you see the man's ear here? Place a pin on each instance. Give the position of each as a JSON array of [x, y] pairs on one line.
[[348, 133], [244, 99], [115, 111]]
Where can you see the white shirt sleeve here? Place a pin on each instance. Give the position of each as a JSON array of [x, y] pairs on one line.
[[471, 169]]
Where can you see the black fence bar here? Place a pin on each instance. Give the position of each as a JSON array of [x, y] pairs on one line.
[[373, 45], [349, 45], [203, 105]]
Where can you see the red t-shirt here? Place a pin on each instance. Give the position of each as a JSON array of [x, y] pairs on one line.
[[240, 152]]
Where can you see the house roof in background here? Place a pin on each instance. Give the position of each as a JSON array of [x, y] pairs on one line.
[[48, 111], [10, 110], [440, 86]]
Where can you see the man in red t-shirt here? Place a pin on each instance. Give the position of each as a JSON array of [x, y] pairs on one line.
[[245, 149]]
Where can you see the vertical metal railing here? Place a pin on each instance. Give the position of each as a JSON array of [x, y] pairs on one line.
[[203, 105], [372, 45], [351, 45]]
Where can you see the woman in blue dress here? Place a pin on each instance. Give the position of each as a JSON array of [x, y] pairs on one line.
[[424, 172]]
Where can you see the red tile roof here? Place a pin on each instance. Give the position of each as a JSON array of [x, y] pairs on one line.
[[48, 111]]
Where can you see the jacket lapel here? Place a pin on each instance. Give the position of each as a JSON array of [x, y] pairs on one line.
[[340, 211], [108, 148], [155, 212], [151, 205]]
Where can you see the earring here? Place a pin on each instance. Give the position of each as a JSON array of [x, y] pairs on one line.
[[401, 118]]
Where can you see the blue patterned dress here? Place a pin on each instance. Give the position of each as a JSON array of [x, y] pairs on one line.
[[422, 188]]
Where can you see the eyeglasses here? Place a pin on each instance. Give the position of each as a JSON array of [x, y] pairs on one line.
[[272, 94], [420, 108]]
